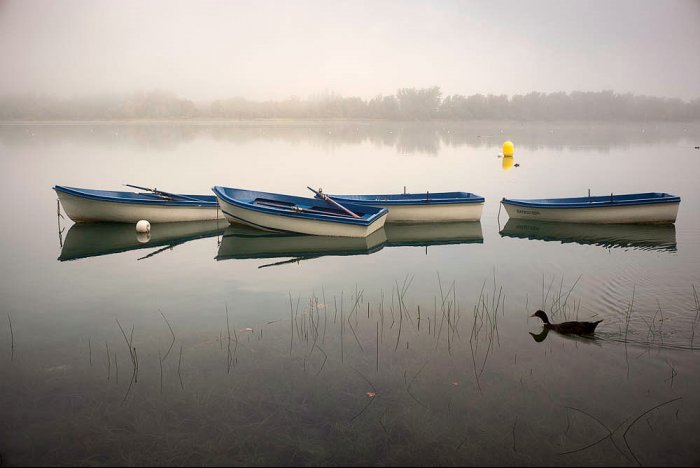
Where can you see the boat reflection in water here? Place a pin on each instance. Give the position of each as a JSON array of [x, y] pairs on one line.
[[423, 234], [95, 239], [659, 237], [240, 242]]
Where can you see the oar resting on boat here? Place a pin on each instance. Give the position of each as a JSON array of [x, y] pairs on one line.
[[298, 209], [326, 198], [160, 193]]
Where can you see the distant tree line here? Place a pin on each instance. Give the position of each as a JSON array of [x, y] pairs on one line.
[[406, 104]]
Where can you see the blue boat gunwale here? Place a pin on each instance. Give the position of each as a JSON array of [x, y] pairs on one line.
[[135, 198], [598, 201], [408, 199], [370, 214]]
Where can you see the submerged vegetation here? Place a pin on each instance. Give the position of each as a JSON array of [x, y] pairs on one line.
[[406, 104], [359, 378]]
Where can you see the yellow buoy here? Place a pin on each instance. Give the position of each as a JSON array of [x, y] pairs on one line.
[[507, 163], [508, 149]]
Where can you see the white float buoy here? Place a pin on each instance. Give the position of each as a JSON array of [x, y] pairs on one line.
[[143, 237], [143, 226]]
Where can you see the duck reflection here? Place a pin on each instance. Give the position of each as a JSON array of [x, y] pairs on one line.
[[587, 339], [541, 336], [657, 237]]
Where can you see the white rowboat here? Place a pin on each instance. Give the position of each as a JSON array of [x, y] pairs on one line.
[[87, 205], [422, 207], [286, 213], [650, 207]]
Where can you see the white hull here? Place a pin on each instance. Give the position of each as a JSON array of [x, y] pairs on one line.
[[81, 209], [630, 214], [274, 222], [436, 213]]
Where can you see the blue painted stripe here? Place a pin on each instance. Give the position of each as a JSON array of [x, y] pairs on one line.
[[410, 199], [205, 201]]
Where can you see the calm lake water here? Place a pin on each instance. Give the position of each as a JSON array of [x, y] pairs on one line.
[[214, 345]]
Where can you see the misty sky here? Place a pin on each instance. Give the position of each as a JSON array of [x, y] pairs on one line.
[[263, 49]]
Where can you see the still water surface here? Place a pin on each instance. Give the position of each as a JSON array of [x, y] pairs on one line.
[[212, 344]]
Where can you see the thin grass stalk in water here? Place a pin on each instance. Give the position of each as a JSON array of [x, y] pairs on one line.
[[377, 346], [325, 315], [697, 312], [109, 362], [12, 334], [354, 311], [325, 358], [128, 342], [172, 333], [627, 326], [160, 362], [624, 435], [409, 384], [381, 314], [291, 323], [179, 364], [371, 398], [342, 330], [609, 435]]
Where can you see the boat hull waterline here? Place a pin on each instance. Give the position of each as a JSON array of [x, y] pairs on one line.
[[652, 208], [86, 205], [422, 208], [284, 213]]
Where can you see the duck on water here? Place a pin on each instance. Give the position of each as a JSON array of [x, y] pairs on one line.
[[567, 328]]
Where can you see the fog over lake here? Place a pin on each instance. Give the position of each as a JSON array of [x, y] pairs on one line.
[[264, 50], [209, 343]]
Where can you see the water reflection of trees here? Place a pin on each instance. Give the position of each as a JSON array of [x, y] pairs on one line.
[[405, 137]]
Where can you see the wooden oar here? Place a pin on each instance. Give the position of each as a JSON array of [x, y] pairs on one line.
[[160, 193], [296, 209], [332, 202]]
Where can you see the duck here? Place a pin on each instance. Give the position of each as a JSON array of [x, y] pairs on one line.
[[567, 328]]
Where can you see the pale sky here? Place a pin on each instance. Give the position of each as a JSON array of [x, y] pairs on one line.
[[263, 49]]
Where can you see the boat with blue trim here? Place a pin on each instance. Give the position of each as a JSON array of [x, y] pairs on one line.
[[422, 207], [88, 205], [287, 213], [642, 208]]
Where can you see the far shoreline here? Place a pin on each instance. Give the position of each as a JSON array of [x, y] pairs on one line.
[[344, 121]]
